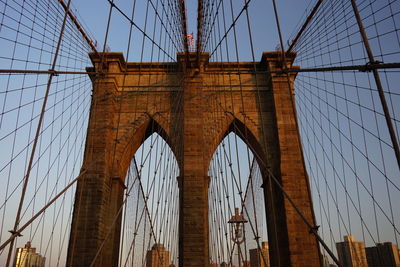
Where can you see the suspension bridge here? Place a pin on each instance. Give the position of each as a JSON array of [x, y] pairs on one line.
[[155, 146]]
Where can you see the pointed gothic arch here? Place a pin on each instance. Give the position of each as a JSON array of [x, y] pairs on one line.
[[194, 129], [135, 137]]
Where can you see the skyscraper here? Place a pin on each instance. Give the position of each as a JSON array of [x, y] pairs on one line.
[[260, 257], [158, 256], [351, 253], [27, 257], [383, 255]]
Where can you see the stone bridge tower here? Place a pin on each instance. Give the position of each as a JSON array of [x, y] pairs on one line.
[[193, 104]]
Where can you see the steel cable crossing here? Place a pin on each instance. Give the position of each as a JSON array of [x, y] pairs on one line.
[[348, 120], [325, 44], [38, 17]]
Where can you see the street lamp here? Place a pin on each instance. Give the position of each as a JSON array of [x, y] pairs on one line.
[[237, 226]]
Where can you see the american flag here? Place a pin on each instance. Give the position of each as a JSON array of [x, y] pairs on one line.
[[190, 39]]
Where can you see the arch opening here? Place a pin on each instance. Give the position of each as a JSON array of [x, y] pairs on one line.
[[151, 211], [235, 182], [134, 141]]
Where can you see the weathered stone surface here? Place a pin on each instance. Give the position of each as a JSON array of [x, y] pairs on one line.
[[193, 105]]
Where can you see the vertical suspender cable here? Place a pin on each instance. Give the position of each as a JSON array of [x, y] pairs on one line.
[[378, 83], [311, 228], [28, 171]]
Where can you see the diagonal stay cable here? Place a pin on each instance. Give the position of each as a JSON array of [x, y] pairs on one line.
[[245, 6], [39, 126], [140, 29], [19, 230], [378, 84]]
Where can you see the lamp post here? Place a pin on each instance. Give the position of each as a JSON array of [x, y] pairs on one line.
[[237, 222]]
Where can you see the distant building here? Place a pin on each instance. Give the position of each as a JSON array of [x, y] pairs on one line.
[[27, 257], [383, 255], [351, 253], [158, 256], [260, 257], [325, 261]]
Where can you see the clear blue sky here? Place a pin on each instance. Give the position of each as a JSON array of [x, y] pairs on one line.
[[95, 13]]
